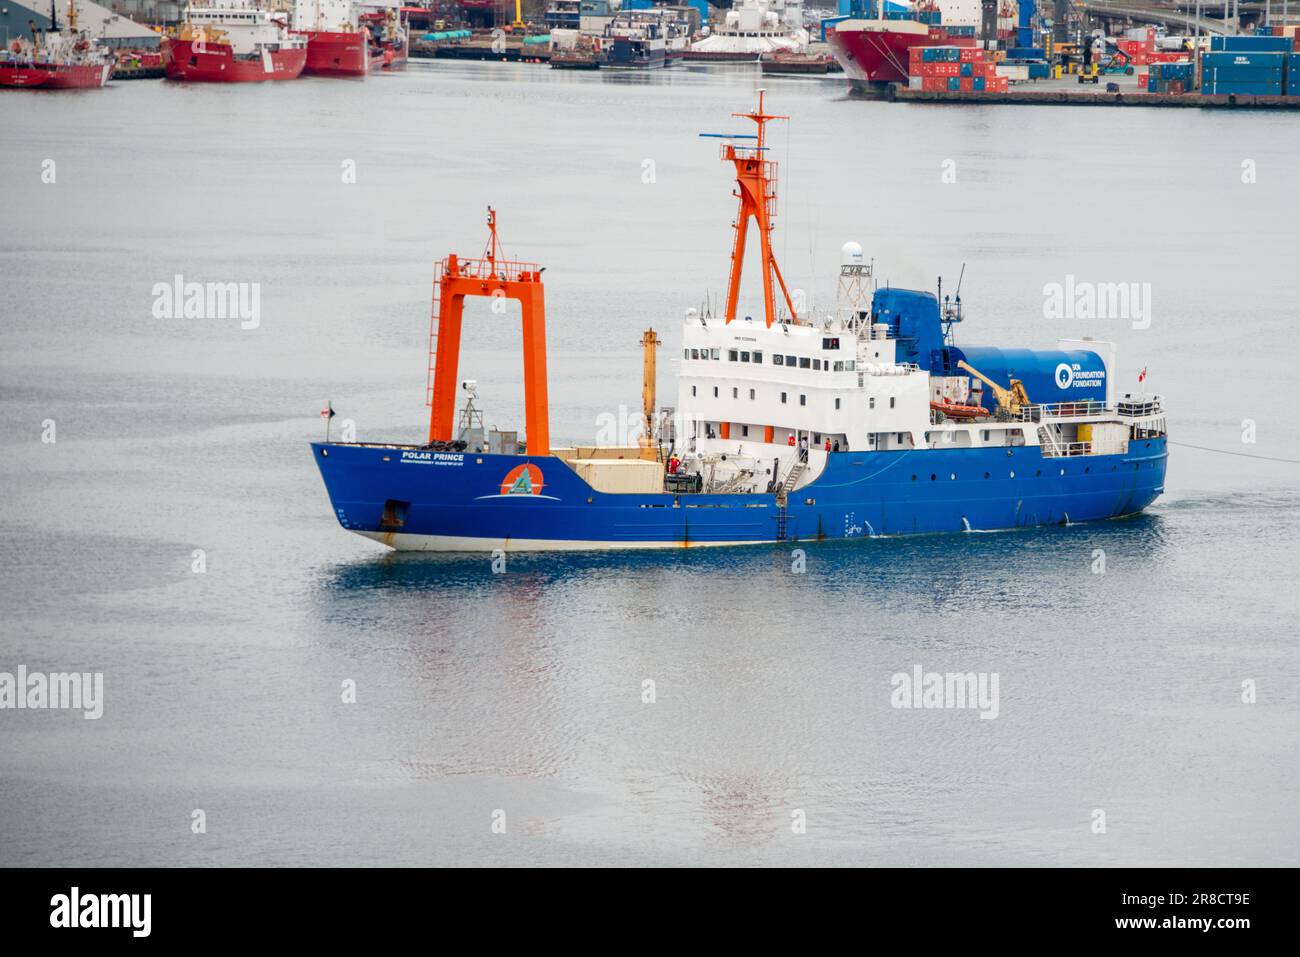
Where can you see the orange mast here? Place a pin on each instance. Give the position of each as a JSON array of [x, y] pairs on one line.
[[493, 278], [756, 177]]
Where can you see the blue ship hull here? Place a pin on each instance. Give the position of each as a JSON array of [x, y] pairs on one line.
[[411, 498]]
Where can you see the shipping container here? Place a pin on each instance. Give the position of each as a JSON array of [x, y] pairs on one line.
[[1219, 86], [1251, 44], [1245, 61]]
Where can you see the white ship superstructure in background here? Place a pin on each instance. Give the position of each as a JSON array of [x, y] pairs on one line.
[[755, 27]]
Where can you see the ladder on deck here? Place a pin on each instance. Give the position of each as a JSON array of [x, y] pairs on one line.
[[433, 339], [1048, 440], [782, 494]]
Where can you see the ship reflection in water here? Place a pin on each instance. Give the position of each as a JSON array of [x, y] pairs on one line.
[[769, 687]]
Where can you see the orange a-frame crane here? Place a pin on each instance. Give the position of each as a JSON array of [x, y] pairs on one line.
[[756, 179], [493, 278]]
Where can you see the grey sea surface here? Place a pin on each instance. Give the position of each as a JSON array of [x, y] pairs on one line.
[[519, 697]]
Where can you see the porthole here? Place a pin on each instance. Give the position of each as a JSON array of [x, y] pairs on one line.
[[932, 476], [952, 477], [1062, 471], [1013, 474], [913, 478], [986, 474]]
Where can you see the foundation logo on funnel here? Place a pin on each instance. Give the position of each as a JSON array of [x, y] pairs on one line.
[[522, 480]]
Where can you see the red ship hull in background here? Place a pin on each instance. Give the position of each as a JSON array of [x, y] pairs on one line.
[[875, 51], [217, 63], [336, 53], [56, 76]]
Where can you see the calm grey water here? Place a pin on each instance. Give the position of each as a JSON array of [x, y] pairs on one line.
[[523, 692]]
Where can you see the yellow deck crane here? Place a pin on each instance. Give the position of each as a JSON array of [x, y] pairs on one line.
[[1010, 400], [518, 25]]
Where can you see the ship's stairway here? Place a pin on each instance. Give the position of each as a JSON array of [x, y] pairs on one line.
[[1047, 439], [791, 480]]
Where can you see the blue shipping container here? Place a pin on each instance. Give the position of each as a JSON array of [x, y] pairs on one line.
[[979, 84], [967, 69], [1267, 61], [954, 84], [1249, 44], [1026, 53], [1223, 86]]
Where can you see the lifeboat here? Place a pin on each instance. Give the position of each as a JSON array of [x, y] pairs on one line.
[[954, 411]]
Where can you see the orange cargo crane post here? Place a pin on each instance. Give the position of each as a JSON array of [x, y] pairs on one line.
[[492, 278], [649, 343], [756, 179]]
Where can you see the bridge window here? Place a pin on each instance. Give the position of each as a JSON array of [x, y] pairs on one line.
[[831, 343], [817, 364], [805, 362], [715, 391], [692, 390], [758, 357], [715, 354], [837, 402], [751, 395], [891, 401], [732, 355], [791, 361], [783, 398], [735, 393], [744, 357], [803, 399], [778, 360], [871, 403]]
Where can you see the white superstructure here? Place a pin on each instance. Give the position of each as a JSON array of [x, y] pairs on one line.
[[752, 398], [757, 26], [248, 27]]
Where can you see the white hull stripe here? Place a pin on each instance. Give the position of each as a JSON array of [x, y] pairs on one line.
[[404, 542]]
